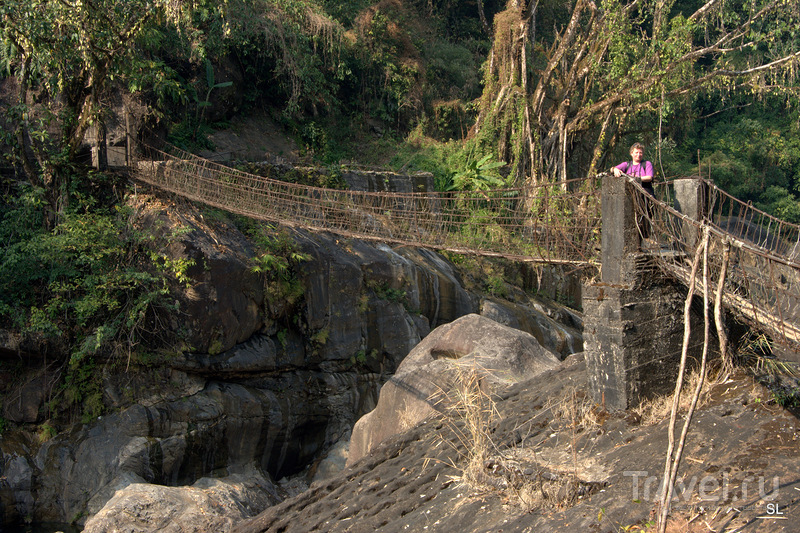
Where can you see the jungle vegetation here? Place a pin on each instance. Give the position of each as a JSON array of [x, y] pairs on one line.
[[552, 89], [499, 91]]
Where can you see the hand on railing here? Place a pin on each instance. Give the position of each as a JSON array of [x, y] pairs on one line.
[[618, 173]]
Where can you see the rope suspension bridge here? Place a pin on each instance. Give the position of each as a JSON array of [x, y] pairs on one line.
[[541, 223], [509, 223]]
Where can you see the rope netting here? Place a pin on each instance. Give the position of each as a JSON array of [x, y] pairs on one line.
[[549, 223], [557, 224], [762, 275]]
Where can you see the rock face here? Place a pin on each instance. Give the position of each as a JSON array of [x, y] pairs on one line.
[[208, 505], [419, 389], [23, 405], [17, 474], [553, 472], [222, 304], [225, 428], [264, 385]]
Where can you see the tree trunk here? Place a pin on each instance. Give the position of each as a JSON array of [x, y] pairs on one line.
[[504, 119], [532, 121], [102, 146]]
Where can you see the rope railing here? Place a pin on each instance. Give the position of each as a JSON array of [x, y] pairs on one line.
[[762, 281], [544, 223], [751, 225], [539, 223]]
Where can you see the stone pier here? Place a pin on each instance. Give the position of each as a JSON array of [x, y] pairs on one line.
[[691, 199], [633, 316]]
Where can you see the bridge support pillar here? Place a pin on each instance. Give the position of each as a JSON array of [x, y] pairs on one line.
[[633, 316], [691, 199]]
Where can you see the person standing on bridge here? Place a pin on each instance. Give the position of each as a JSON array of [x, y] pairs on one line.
[[638, 168]]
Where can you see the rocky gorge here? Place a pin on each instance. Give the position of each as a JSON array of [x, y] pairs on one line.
[[273, 373], [318, 383]]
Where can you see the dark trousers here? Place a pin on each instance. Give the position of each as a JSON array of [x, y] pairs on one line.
[[645, 227]]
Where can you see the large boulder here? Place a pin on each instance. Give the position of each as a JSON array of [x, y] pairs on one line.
[[554, 327], [501, 355], [208, 505]]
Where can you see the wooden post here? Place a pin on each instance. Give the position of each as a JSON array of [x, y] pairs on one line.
[[127, 139]]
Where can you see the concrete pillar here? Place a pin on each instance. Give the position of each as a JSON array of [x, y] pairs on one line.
[[632, 340], [620, 238], [633, 316], [691, 199]]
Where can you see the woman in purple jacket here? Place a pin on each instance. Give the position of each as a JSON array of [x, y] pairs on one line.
[[637, 167]]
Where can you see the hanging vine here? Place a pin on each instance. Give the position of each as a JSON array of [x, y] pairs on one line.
[[543, 98]]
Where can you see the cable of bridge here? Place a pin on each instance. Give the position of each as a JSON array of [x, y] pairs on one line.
[[762, 280]]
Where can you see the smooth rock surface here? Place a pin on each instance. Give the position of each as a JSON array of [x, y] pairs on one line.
[[258, 381], [421, 386], [208, 505]]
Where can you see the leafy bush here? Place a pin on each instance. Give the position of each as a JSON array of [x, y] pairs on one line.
[[46, 432], [479, 175], [94, 282], [383, 291], [277, 262]]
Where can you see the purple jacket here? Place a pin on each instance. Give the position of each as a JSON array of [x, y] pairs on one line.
[[642, 170]]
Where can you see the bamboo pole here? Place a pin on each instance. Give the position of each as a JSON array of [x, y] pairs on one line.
[[727, 364]]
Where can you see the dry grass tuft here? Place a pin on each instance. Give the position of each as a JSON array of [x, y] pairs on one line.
[[651, 412], [470, 411], [576, 411], [471, 414], [407, 420]]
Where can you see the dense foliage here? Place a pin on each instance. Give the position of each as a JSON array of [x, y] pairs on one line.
[[95, 287], [483, 93], [557, 104], [551, 88]]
